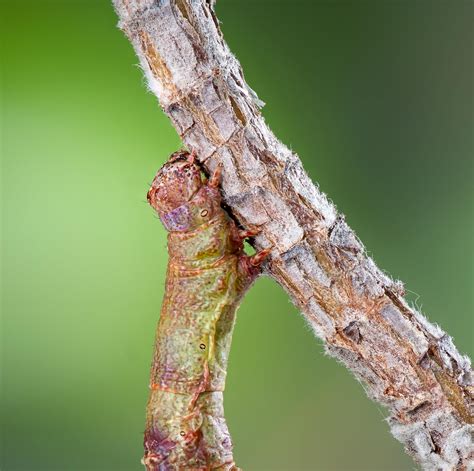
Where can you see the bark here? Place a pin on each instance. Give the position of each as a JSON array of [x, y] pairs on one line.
[[404, 362]]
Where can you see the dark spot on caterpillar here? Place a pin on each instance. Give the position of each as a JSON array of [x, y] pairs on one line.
[[182, 433], [204, 213], [202, 346]]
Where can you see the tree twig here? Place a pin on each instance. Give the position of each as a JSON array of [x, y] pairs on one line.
[[405, 363]]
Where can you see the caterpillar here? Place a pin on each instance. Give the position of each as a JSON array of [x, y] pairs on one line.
[[208, 273]]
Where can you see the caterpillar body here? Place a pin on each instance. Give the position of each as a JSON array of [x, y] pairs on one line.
[[208, 273]]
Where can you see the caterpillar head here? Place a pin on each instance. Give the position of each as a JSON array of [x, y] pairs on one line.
[[176, 197]]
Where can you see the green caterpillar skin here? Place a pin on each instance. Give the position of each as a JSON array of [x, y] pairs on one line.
[[208, 273]]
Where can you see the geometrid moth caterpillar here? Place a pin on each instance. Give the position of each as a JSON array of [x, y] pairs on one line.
[[208, 273]]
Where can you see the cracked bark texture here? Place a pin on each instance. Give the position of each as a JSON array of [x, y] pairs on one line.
[[403, 361]]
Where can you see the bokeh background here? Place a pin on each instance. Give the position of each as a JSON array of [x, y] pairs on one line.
[[377, 99]]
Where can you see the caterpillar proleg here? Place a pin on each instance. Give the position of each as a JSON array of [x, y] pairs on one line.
[[208, 273]]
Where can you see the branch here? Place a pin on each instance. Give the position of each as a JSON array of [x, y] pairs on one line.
[[404, 362]]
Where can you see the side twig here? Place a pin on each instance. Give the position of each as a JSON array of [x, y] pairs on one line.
[[406, 363]]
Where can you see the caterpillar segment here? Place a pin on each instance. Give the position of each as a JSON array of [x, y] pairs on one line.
[[208, 273]]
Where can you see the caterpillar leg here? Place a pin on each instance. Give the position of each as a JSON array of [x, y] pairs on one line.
[[192, 157], [251, 266], [215, 179], [257, 259], [246, 233]]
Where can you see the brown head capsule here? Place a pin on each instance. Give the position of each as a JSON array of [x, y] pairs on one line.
[[181, 196]]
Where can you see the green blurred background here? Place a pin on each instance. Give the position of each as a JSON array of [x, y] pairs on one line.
[[377, 99]]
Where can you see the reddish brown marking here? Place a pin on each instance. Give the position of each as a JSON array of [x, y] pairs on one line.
[[215, 179], [257, 259], [246, 233], [192, 157]]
